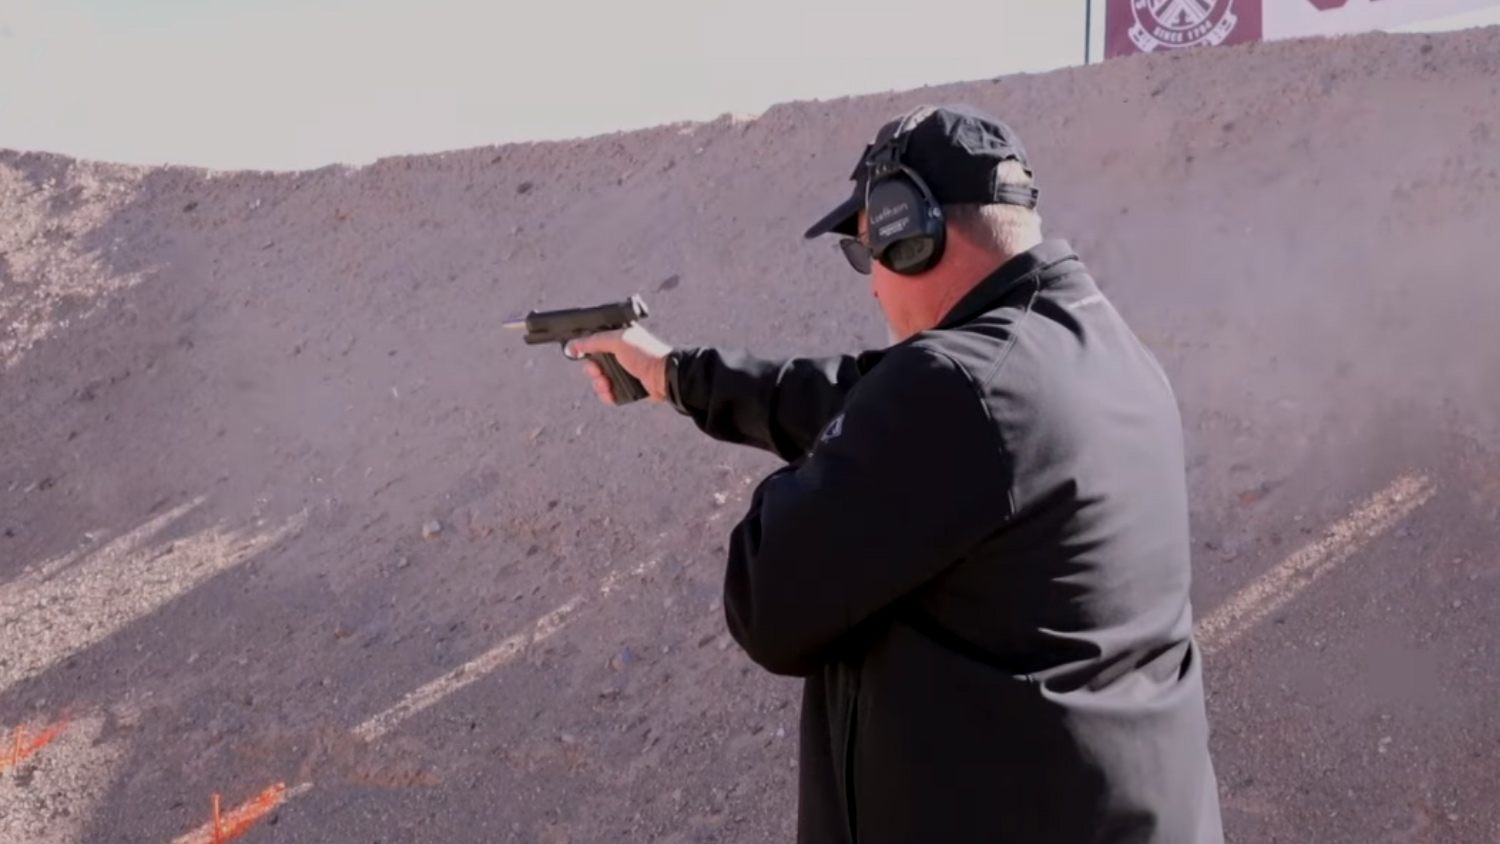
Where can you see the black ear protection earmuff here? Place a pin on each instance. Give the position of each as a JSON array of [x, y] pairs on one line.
[[906, 226]]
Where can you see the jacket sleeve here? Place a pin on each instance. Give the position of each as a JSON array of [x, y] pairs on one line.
[[775, 405], [911, 477]]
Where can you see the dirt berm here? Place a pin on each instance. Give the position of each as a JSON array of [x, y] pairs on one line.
[[280, 502]]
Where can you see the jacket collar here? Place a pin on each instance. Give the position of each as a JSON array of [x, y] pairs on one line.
[[1041, 265]]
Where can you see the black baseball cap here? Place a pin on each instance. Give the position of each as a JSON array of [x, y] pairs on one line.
[[955, 149]]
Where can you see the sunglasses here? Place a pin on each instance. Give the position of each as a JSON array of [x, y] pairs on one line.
[[857, 253]]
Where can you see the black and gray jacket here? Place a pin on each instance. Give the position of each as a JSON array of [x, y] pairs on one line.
[[977, 555]]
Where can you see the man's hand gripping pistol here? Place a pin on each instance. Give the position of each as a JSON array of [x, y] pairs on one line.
[[568, 324]]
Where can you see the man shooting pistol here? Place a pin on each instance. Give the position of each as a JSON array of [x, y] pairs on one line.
[[978, 553], [617, 320]]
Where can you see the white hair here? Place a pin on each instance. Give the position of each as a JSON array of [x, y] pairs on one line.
[[1000, 228]]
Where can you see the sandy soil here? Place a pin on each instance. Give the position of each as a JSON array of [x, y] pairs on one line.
[[235, 406]]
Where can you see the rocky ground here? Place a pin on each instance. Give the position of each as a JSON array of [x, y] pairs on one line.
[[282, 505]]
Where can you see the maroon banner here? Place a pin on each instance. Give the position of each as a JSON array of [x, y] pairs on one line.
[[1148, 26]]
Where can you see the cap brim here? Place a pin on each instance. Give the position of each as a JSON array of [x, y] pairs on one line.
[[842, 220]]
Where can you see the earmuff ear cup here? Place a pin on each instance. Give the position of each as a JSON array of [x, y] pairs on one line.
[[910, 257], [906, 228]]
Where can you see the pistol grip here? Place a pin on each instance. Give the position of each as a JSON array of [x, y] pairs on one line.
[[627, 388]]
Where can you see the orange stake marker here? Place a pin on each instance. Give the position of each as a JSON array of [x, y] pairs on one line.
[[44, 739], [226, 826], [20, 749]]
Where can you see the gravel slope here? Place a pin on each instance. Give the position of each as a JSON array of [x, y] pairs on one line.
[[232, 404]]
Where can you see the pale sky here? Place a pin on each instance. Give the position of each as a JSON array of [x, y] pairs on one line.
[[273, 84]]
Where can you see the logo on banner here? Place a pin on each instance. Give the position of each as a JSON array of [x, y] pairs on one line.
[[1181, 23]]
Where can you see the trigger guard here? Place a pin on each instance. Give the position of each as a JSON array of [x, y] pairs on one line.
[[565, 354]]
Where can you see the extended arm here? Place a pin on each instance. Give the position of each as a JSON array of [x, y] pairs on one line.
[[775, 405], [909, 479]]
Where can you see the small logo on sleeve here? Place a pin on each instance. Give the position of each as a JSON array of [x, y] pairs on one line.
[[833, 429]]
